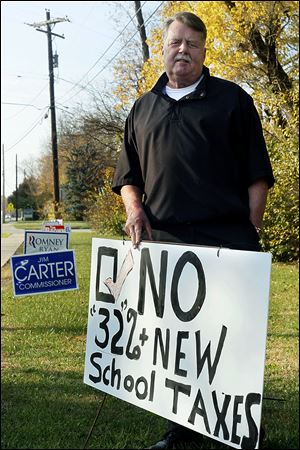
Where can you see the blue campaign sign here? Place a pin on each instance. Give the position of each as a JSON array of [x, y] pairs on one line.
[[39, 273]]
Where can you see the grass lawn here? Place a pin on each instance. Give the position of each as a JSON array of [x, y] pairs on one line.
[[46, 405]]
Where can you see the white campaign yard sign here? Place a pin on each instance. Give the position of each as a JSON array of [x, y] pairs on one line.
[[181, 331], [45, 241]]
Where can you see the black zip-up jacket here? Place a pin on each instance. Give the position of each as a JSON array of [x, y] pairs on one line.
[[194, 159]]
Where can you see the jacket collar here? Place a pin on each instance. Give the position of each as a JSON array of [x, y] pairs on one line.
[[200, 91]]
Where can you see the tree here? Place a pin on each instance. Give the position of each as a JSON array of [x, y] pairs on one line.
[[40, 172], [28, 196], [83, 176], [103, 126], [252, 43], [88, 144], [128, 70]]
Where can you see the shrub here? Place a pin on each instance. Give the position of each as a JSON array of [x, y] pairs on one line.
[[281, 230], [105, 211]]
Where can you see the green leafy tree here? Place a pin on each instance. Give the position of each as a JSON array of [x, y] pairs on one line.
[[83, 175], [27, 196]]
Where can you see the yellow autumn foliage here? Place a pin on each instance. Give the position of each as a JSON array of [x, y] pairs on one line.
[[255, 44], [105, 210], [229, 51]]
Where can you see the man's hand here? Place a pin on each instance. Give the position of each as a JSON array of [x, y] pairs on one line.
[[136, 217], [136, 222]]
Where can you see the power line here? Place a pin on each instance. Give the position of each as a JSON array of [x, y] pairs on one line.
[[29, 131], [85, 86], [74, 85], [103, 68], [27, 104], [21, 104], [101, 57]]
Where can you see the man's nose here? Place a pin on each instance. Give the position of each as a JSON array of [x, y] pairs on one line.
[[183, 48]]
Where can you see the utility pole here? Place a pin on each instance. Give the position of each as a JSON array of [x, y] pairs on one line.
[[17, 200], [142, 30], [3, 190], [49, 33], [53, 119]]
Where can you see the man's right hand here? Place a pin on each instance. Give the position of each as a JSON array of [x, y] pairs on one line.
[[136, 222], [137, 219]]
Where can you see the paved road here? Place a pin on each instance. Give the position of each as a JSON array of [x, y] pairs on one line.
[[10, 244]]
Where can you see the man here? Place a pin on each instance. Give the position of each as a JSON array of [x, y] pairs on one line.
[[194, 167]]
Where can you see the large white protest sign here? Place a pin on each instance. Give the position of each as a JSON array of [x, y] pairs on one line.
[[181, 331]]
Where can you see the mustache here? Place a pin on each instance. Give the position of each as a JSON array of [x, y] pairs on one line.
[[186, 58]]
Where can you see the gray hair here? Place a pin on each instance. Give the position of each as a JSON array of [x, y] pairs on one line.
[[189, 19]]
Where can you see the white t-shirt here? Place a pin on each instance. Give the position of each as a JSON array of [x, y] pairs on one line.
[[177, 94]]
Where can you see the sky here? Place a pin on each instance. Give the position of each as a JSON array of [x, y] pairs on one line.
[[92, 37]]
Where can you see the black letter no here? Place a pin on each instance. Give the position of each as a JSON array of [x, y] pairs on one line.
[[188, 257]]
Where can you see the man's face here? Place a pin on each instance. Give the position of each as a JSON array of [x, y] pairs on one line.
[[184, 54]]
